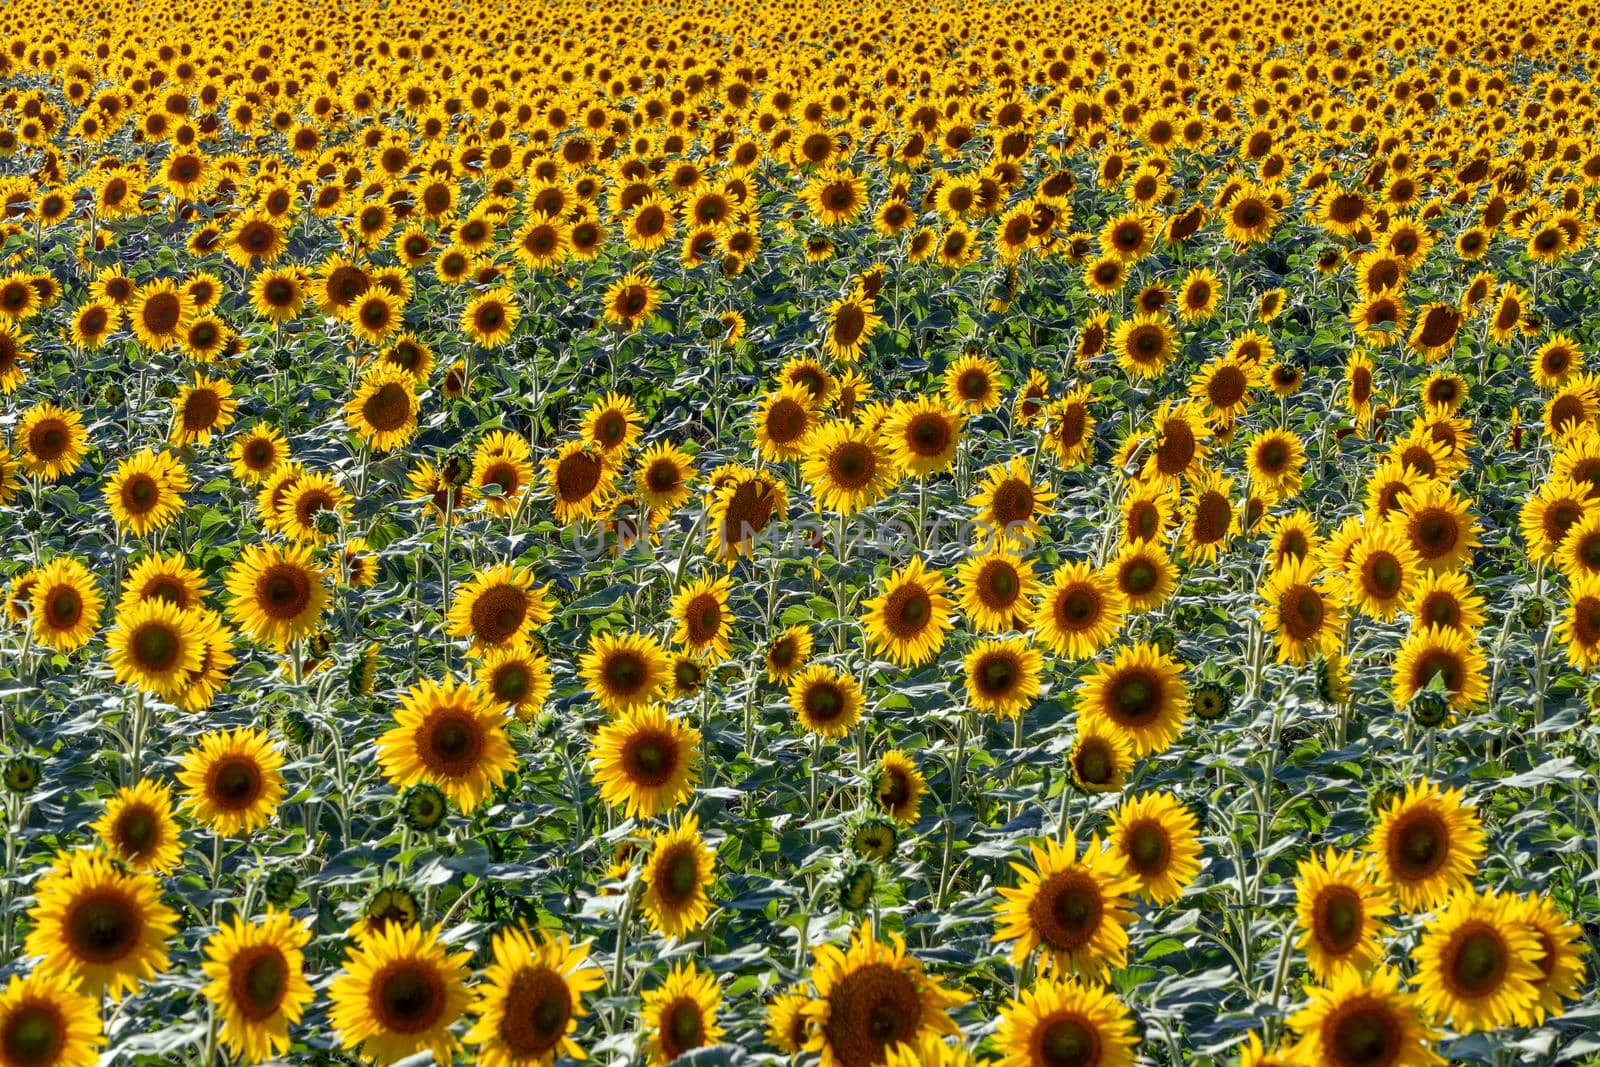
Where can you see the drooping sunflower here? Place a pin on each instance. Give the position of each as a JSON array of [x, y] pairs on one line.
[[1079, 611], [1342, 911], [138, 829], [1060, 1021], [1002, 676], [530, 999], [898, 786], [145, 492], [257, 984], [1140, 692], [1073, 906], [680, 1014], [399, 993], [450, 735], [846, 467], [103, 929], [278, 593], [907, 622], [1158, 839], [64, 604], [676, 878], [1448, 659], [1364, 1019], [47, 1021], [233, 780], [1427, 845], [1010, 503], [825, 701], [870, 997], [155, 646], [645, 761]]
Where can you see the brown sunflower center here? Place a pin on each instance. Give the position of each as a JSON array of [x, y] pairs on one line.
[[235, 783], [1419, 845], [650, 758], [1476, 961], [388, 408], [450, 742], [155, 647], [407, 997], [577, 475], [283, 592], [1064, 1040], [1338, 919], [103, 926], [258, 978], [1147, 847], [538, 1006], [34, 1034], [498, 613], [1363, 1034], [870, 1010], [1067, 909]]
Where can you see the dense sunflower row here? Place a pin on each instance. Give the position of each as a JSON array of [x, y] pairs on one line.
[[1036, 534]]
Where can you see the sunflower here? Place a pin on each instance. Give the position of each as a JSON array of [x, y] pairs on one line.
[[680, 1014], [257, 983], [1432, 657], [846, 467], [383, 411], [1141, 692], [663, 477], [1555, 361], [517, 677], [258, 452], [502, 470], [1010, 504], [907, 622], [1144, 344], [1475, 963], [51, 441], [1342, 910], [1199, 296], [1223, 385], [676, 878], [216, 660], [787, 653], [898, 787], [498, 607], [825, 702], [740, 510], [996, 590], [1158, 839], [233, 781], [1101, 756], [452, 736], [788, 1026], [145, 492], [138, 829], [155, 647], [1062, 1021], [1148, 512], [1254, 1054], [279, 295], [1144, 574], [1276, 461], [1572, 408], [1180, 439], [851, 322], [1069, 427], [1079, 612], [630, 301], [1074, 907], [14, 352], [530, 999], [1363, 1020], [870, 997], [64, 604], [580, 482], [46, 1021], [1446, 599], [784, 422], [1214, 520], [1250, 215], [611, 425], [1002, 676], [623, 671], [399, 993], [703, 623], [1579, 627], [303, 501], [1550, 514], [278, 593], [101, 928], [972, 384], [1382, 572], [1559, 957], [645, 761], [922, 434], [157, 313], [1427, 845]]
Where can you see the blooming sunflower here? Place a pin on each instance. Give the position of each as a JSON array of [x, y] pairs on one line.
[[680, 1014], [907, 621], [1341, 909], [581, 483], [1431, 656], [1438, 523], [1142, 693], [137, 827], [1002, 676], [498, 607], [1475, 963], [825, 701], [645, 761], [399, 993], [623, 671], [1382, 572], [158, 577], [1559, 957], [1062, 1021], [676, 878], [64, 604], [663, 477], [103, 929], [1101, 756], [1158, 838], [1144, 574], [1144, 345], [257, 984], [145, 492], [898, 787], [278, 593], [155, 646], [788, 652], [489, 318], [1079, 611], [233, 781], [851, 322], [530, 999], [996, 589], [46, 1021], [1074, 906], [1362, 1019], [1069, 427], [383, 411], [784, 422], [1010, 504], [450, 735], [1427, 845], [846, 467], [51, 441]]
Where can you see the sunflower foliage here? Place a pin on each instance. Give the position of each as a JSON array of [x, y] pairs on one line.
[[1027, 534]]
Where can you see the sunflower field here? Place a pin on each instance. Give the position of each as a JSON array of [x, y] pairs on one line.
[[1025, 533]]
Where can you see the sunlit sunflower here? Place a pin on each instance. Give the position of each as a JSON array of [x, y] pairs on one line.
[[676, 879], [450, 735], [580, 482], [1447, 600], [704, 625], [64, 604], [1305, 617], [825, 701], [846, 467], [156, 314], [1073, 906], [788, 652], [277, 592], [1144, 574], [972, 384], [137, 827], [921, 434], [1559, 957], [154, 646], [383, 411], [1079, 611], [1144, 344], [1180, 439], [1449, 660], [1579, 625], [1364, 1020], [788, 1026], [851, 322], [145, 492], [50, 441], [303, 501], [1342, 913], [623, 670], [663, 477], [996, 590], [898, 786], [1214, 517], [871, 996], [202, 408], [257, 984], [529, 1000], [645, 761], [1276, 461], [233, 780], [740, 509], [1141, 692], [489, 319], [680, 1014], [499, 607], [1223, 385], [1158, 839], [1010, 503], [1062, 1021], [257, 452], [1475, 963], [101, 928], [1553, 362], [908, 620], [1381, 573], [1002, 676], [399, 993], [1427, 845], [630, 301], [47, 1021]]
